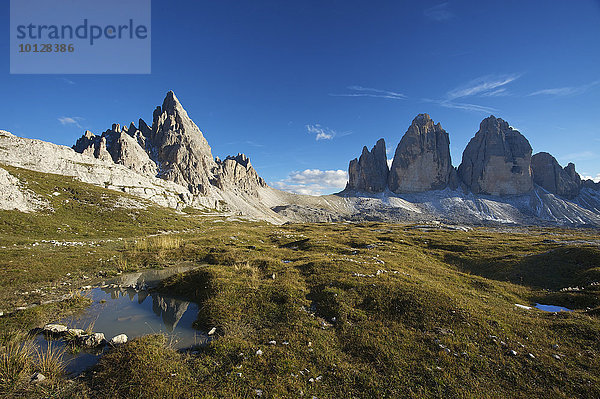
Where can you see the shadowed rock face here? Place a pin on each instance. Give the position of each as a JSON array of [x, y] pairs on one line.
[[547, 173], [422, 160], [370, 172], [179, 148], [173, 149], [497, 160]]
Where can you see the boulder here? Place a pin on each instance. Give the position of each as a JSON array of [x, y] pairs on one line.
[[548, 174], [118, 340], [497, 161], [55, 329], [92, 340], [422, 160], [370, 172]]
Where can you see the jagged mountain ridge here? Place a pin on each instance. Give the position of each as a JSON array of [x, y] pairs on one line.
[[171, 163], [173, 149], [498, 180]]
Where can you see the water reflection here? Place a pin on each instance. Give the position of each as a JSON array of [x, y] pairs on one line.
[[125, 306]]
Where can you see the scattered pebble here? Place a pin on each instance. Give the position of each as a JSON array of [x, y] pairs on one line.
[[212, 331], [37, 377], [259, 353]]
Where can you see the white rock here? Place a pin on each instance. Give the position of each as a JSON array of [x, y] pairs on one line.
[[92, 340], [259, 353], [118, 340], [38, 377], [212, 331], [55, 328]]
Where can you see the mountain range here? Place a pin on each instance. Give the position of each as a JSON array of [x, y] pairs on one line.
[[170, 162]]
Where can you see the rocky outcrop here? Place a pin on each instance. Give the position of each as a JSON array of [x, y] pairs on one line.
[[422, 160], [548, 174], [497, 160], [370, 172], [15, 196], [179, 148], [237, 172], [172, 149]]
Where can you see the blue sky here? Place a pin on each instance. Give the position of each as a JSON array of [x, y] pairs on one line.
[[301, 86]]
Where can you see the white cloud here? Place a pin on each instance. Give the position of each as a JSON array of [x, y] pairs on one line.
[[360, 91], [596, 179], [485, 86], [463, 106], [321, 133], [439, 13], [70, 120], [566, 91], [313, 182]]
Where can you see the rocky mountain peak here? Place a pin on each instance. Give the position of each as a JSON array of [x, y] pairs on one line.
[[548, 174], [171, 104], [422, 160], [370, 172], [173, 149], [497, 160]]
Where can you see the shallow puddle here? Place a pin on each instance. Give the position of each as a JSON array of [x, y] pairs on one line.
[[124, 306], [552, 308]]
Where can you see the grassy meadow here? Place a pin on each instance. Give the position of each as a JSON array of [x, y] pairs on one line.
[[361, 310]]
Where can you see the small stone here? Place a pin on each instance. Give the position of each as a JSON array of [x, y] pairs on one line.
[[259, 353], [56, 329], [531, 356], [37, 377], [118, 340], [512, 352], [212, 331], [92, 340], [557, 357], [273, 342]]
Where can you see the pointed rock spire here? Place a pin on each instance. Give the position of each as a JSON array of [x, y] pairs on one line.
[[370, 172], [422, 160], [547, 173], [497, 160]]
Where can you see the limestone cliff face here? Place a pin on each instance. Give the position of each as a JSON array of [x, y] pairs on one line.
[[173, 149], [237, 172], [497, 160], [547, 173], [422, 160], [179, 147], [370, 172]]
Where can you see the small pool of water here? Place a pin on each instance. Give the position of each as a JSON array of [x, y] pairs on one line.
[[552, 308], [121, 307]]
